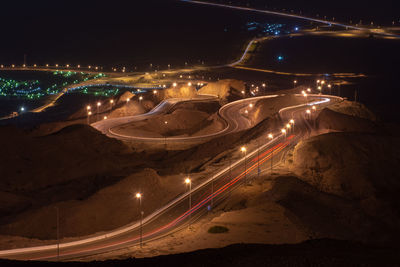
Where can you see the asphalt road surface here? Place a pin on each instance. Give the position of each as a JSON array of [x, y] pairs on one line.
[[178, 213]]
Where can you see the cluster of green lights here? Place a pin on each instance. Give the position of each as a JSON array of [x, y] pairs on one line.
[[10, 87], [34, 89], [100, 91]]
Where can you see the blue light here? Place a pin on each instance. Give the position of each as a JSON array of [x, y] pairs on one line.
[[296, 29], [276, 32], [280, 58]]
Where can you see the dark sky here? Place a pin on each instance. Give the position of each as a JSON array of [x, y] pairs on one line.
[[115, 32]]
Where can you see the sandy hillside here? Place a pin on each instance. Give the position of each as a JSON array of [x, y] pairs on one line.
[[265, 108], [36, 173], [181, 91], [188, 118], [119, 108], [105, 107], [122, 99], [328, 216], [131, 108], [355, 109], [349, 165], [105, 210], [334, 121], [224, 89]]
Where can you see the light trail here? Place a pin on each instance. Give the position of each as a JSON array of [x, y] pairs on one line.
[[92, 247], [183, 216], [338, 75], [347, 26]]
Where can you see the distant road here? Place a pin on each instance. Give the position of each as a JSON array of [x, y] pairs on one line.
[[328, 22]]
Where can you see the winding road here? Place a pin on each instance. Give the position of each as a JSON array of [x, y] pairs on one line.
[[229, 113], [177, 214]]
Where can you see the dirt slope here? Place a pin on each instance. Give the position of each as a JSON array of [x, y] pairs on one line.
[[335, 121], [70, 164], [224, 89], [355, 166]]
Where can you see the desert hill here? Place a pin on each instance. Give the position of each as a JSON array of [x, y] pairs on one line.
[[70, 164]]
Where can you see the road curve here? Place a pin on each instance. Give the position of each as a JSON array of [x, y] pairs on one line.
[[229, 113], [122, 237]]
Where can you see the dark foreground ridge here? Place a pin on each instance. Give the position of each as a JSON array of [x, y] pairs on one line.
[[322, 252]]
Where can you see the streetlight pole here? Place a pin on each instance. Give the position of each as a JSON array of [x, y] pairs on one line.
[[308, 112], [58, 234], [165, 136], [212, 192], [189, 182], [88, 113], [305, 96], [139, 196], [314, 109], [258, 158], [244, 150], [112, 104], [271, 137], [88, 117], [230, 175], [98, 105]]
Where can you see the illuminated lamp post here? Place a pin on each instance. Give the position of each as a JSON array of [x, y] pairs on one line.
[[189, 183], [112, 104], [308, 112], [284, 132], [139, 197], [271, 137], [244, 150], [98, 106], [292, 123], [288, 126], [88, 117], [88, 113]]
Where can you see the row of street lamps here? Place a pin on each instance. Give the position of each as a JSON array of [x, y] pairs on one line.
[[139, 197], [78, 66], [188, 181], [243, 149], [98, 104]]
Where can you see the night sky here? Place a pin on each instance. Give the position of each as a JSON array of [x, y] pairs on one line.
[[138, 32]]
